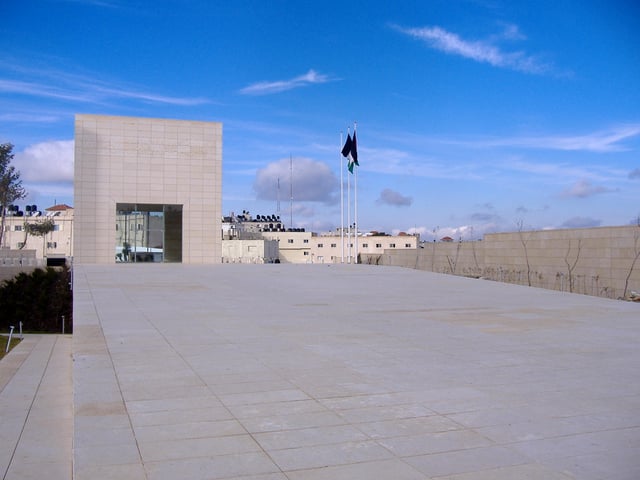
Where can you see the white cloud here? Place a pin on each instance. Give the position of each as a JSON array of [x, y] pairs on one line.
[[313, 181], [47, 162], [479, 51], [266, 88], [581, 222], [584, 189], [390, 197]]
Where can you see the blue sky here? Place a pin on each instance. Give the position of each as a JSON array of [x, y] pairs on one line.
[[472, 116]]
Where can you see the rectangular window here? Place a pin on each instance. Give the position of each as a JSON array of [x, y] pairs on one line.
[[378, 245], [290, 240], [365, 245], [52, 244], [20, 245], [320, 245], [392, 245], [306, 240], [17, 228], [305, 253], [407, 245], [333, 245], [56, 228]]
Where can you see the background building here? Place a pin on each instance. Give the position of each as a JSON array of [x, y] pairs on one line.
[[167, 172], [54, 248]]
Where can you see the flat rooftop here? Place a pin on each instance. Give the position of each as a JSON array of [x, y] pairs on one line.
[[314, 372]]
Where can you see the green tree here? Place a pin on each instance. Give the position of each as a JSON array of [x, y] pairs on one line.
[[38, 229], [11, 189]]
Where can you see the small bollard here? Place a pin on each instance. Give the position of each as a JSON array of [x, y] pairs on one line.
[[21, 336], [9, 339], [63, 324]]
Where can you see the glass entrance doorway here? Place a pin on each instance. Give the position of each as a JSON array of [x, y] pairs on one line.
[[148, 233]]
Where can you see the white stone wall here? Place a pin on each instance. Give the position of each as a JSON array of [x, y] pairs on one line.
[[146, 160], [590, 261], [249, 251]]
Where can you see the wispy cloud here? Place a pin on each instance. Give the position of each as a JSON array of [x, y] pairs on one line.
[[61, 85], [634, 174], [483, 51], [266, 88], [602, 141], [28, 118], [97, 3]]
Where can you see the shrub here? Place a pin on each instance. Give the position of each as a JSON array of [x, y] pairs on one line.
[[39, 300]]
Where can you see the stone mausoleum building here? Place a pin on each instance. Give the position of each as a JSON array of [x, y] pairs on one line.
[[158, 180]]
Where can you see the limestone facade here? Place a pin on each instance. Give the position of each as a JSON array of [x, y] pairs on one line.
[[170, 167]]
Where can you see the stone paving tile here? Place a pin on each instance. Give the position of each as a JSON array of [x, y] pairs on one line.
[[465, 461], [306, 437], [36, 471], [177, 431], [276, 409], [317, 456], [408, 426], [532, 471], [222, 390], [263, 397], [169, 417], [213, 468], [183, 448], [93, 471], [384, 413], [292, 421], [172, 404], [412, 445], [384, 469], [580, 445], [35, 411], [444, 377], [619, 464], [103, 455]]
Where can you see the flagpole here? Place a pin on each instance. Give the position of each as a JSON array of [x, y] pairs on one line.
[[355, 194], [348, 214], [341, 203], [348, 218]]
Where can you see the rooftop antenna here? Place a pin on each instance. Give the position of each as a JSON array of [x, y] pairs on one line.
[[278, 199], [291, 190]]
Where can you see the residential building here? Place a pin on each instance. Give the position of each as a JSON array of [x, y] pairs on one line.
[[54, 248]]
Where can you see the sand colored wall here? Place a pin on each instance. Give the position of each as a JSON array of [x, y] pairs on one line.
[[592, 261], [147, 161]]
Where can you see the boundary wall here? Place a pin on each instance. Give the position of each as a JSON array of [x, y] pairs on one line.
[[593, 261], [14, 262]]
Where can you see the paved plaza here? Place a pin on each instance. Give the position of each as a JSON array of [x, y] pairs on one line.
[[318, 372]]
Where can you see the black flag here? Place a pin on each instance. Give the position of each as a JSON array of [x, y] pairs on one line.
[[346, 150], [354, 149]]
